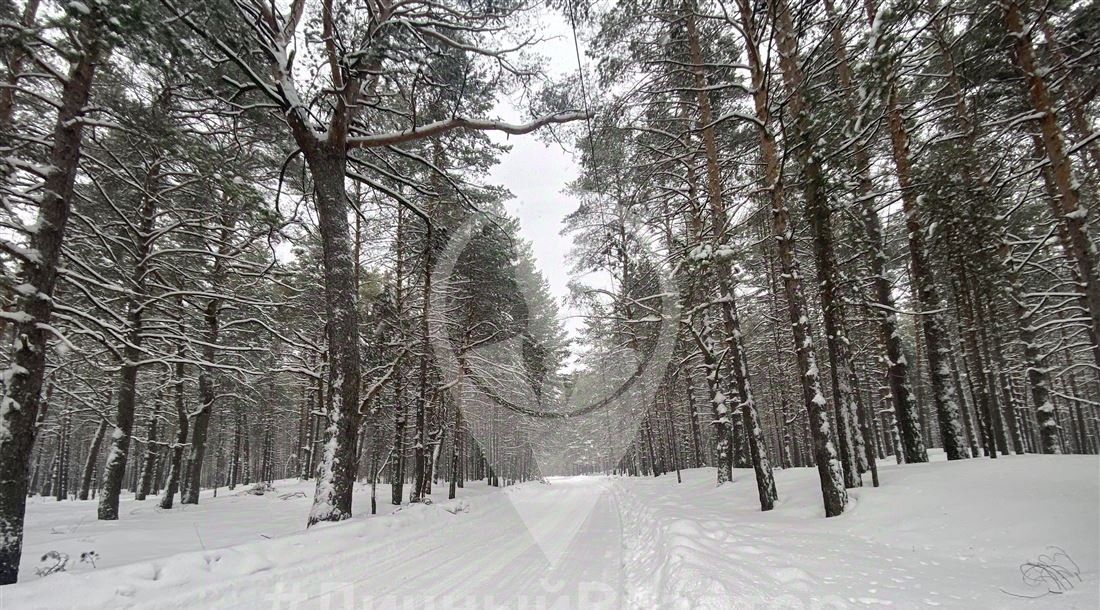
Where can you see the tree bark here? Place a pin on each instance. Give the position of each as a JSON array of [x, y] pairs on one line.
[[336, 473], [150, 462], [422, 461], [456, 455], [924, 285], [176, 459], [89, 463], [19, 402], [1071, 211], [830, 471], [739, 365], [400, 414], [61, 475], [820, 212], [118, 454], [201, 425]]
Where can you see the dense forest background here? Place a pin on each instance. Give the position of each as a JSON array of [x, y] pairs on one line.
[[219, 223]]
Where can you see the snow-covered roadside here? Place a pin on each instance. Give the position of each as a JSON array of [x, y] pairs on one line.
[[952, 535], [490, 548], [150, 551], [145, 532]]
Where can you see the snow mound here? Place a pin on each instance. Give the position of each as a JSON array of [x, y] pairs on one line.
[[1019, 531]]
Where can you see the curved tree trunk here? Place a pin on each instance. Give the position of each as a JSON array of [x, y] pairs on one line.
[[89, 464]]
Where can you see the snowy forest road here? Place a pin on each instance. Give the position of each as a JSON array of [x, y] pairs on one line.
[[932, 536], [534, 546], [550, 546]]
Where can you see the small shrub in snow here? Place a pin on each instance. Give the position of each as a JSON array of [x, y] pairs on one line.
[[89, 557], [54, 561]]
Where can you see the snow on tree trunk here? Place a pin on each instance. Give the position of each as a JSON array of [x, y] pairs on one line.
[[1072, 212], [924, 285], [732, 338], [192, 475], [115, 464], [830, 471], [148, 465], [1037, 375], [201, 424], [400, 412], [336, 473], [889, 333], [22, 380], [175, 465], [88, 473], [131, 354], [820, 215]]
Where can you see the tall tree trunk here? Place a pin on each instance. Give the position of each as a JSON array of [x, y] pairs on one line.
[[820, 212], [61, 474], [988, 374], [693, 420], [830, 471], [16, 58], [192, 481], [1009, 408], [422, 484], [149, 464], [235, 457], [456, 456], [176, 459], [1037, 375], [336, 474], [924, 284], [304, 419], [314, 396], [89, 463], [400, 413], [976, 368], [970, 428], [1071, 211], [118, 454], [201, 424], [977, 183], [734, 341], [19, 402], [246, 458]]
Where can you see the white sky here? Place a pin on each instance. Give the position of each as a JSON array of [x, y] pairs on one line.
[[537, 173]]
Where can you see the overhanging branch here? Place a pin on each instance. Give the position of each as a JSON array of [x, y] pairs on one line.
[[442, 127]]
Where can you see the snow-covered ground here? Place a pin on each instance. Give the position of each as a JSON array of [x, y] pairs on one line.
[[974, 534]]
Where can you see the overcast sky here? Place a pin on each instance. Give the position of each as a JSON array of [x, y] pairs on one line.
[[537, 173]]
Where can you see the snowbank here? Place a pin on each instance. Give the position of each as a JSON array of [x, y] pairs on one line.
[[954, 535]]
